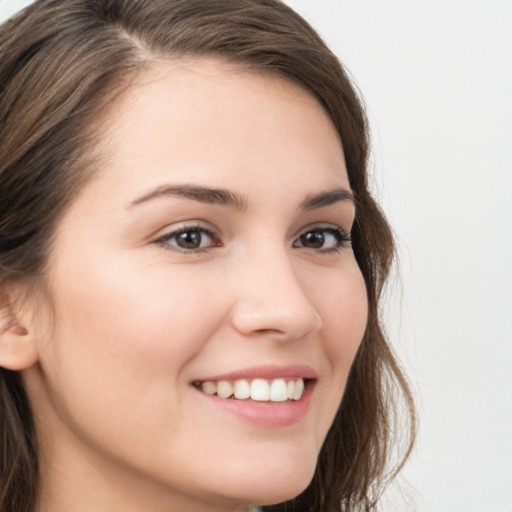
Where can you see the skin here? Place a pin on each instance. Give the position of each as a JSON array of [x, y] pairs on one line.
[[134, 321]]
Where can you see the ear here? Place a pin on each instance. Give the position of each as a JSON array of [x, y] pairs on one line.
[[18, 349]]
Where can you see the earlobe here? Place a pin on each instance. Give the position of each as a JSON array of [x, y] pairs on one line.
[[18, 349]]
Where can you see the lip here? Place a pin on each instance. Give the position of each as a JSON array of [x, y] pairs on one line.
[[266, 372], [265, 414]]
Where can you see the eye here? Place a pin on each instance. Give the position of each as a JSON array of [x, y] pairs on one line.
[[189, 239], [323, 239]]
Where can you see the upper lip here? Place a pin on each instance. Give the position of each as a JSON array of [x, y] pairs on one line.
[[265, 372]]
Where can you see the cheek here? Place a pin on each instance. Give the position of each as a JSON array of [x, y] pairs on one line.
[[114, 366], [344, 310], [127, 334], [122, 313], [342, 304], [345, 320]]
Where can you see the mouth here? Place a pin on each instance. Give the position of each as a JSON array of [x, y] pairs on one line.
[[278, 390], [266, 396]]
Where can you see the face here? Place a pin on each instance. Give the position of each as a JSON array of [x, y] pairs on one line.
[[210, 255]]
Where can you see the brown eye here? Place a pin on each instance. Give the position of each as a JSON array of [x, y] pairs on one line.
[[189, 240], [313, 239], [323, 239]]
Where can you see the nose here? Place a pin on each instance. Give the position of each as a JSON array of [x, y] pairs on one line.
[[271, 300]]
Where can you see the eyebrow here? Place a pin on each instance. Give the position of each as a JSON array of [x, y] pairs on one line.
[[202, 194], [236, 201], [327, 198]]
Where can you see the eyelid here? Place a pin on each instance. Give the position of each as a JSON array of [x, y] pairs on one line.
[[176, 229], [346, 239], [322, 225]]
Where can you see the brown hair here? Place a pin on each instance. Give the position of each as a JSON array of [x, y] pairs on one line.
[[61, 64]]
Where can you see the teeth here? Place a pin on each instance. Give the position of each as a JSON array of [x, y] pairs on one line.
[[224, 389], [289, 390], [260, 390], [298, 389], [278, 391], [209, 388], [242, 389]]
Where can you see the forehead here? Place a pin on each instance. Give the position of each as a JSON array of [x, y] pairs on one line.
[[190, 119]]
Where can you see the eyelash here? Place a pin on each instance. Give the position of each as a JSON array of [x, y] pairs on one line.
[[164, 239], [342, 238]]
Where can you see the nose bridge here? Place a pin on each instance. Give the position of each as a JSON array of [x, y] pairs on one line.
[[270, 297]]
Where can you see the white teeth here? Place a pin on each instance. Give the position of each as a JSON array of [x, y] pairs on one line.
[[209, 387], [224, 389], [289, 389], [261, 390], [242, 389], [278, 391], [298, 389]]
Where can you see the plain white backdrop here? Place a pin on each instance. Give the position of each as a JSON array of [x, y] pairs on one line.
[[437, 80]]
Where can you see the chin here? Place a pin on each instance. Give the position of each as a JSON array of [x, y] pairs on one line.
[[278, 494], [270, 486]]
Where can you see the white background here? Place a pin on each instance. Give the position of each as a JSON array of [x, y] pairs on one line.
[[437, 79]]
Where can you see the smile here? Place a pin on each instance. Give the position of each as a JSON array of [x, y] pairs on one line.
[[260, 390]]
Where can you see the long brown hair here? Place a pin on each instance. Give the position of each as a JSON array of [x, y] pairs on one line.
[[61, 64]]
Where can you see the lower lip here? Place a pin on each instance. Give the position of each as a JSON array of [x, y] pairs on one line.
[[266, 414]]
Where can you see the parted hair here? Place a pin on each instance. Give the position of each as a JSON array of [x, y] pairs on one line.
[[61, 64]]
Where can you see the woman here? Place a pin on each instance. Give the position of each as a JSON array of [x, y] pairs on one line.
[[191, 264]]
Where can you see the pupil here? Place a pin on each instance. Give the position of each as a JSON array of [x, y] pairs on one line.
[[189, 239], [314, 239]]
